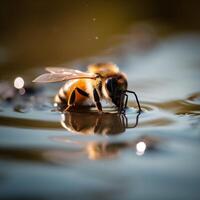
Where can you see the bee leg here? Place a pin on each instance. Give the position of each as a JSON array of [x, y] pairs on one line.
[[97, 100], [71, 101], [85, 94], [121, 103], [126, 101], [138, 103]]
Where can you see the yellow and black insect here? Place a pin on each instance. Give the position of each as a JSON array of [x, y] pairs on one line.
[[102, 81]]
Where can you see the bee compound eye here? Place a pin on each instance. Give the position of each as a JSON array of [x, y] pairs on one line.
[[111, 84]]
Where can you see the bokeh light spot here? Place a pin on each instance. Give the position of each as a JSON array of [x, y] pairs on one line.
[[19, 82], [140, 148]]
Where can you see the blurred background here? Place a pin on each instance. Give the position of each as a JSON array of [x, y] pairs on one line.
[[51, 32], [157, 44]]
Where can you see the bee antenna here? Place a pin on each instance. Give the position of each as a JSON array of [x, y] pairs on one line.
[[138, 103]]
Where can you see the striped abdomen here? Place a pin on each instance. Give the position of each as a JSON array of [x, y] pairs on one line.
[[65, 92]]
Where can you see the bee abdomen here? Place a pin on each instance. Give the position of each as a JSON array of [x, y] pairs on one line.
[[60, 97]]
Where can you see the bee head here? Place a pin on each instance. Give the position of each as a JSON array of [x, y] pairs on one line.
[[115, 86]]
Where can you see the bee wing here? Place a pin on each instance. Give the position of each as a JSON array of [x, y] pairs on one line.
[[62, 74], [61, 70]]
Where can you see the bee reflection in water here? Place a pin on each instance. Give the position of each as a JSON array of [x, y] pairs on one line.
[[98, 150], [105, 124], [96, 123]]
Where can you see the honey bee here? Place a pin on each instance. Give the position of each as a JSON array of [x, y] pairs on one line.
[[102, 81]]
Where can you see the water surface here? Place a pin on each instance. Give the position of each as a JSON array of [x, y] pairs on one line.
[[48, 155]]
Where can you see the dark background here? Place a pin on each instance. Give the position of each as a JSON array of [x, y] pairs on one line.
[[44, 32]]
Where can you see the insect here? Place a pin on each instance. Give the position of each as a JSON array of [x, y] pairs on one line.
[[102, 81]]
